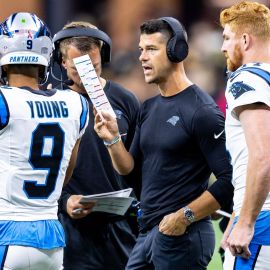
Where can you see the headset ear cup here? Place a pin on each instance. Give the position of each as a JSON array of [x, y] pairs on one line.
[[170, 50], [103, 55], [59, 57], [181, 50], [56, 55], [177, 46], [177, 49]]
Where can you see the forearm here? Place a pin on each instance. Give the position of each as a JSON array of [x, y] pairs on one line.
[[258, 167], [107, 129], [204, 205], [227, 232], [230, 224], [122, 160], [72, 162], [257, 190]]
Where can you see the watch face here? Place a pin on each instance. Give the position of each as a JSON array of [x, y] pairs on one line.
[[189, 215]]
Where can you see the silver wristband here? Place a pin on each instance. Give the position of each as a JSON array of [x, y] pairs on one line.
[[113, 141]]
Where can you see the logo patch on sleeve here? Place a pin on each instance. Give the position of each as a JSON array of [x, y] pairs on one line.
[[239, 88]]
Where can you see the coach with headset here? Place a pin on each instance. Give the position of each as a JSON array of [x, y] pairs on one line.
[[94, 240], [179, 141]]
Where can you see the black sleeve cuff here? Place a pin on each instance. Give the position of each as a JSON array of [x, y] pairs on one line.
[[222, 190], [62, 202]]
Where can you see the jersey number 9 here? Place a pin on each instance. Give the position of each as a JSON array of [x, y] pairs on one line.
[[39, 161]]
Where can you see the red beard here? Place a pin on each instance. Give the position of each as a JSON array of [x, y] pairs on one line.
[[236, 61]]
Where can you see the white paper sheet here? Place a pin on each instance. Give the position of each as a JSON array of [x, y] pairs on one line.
[[116, 202], [92, 84]]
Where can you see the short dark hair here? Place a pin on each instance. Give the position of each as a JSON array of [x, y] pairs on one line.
[[155, 26]]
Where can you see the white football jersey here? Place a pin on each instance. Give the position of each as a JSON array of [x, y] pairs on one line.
[[38, 130], [248, 84]]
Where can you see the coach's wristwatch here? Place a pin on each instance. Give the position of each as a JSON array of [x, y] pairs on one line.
[[188, 214]]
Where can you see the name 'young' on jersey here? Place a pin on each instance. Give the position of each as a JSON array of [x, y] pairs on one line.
[[249, 84], [38, 130]]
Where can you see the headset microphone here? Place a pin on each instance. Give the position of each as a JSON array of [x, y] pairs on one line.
[[67, 82]]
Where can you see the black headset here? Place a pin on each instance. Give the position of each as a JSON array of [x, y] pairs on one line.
[[177, 46], [82, 32]]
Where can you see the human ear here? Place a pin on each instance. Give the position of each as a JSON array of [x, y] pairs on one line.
[[246, 41]]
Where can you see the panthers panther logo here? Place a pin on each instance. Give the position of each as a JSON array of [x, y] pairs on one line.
[[173, 120], [239, 88]]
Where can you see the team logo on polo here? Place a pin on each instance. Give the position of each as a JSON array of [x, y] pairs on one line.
[[173, 120], [239, 88], [23, 59], [118, 114]]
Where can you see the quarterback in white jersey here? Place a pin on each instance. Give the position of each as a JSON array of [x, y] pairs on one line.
[[40, 131], [246, 47]]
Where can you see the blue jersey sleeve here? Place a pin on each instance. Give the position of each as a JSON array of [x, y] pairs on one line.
[[4, 111], [84, 114]]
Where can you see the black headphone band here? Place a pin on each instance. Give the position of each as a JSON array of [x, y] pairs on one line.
[[85, 32], [82, 32], [176, 26]]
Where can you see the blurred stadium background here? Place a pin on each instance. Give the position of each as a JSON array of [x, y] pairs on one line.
[[121, 20]]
